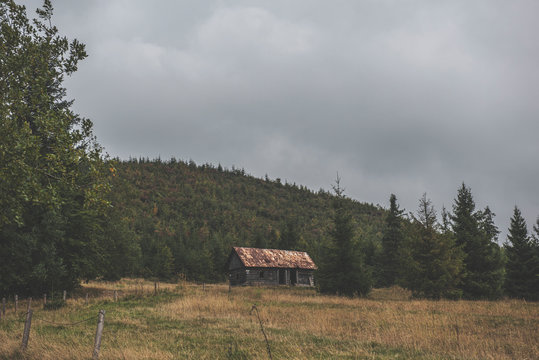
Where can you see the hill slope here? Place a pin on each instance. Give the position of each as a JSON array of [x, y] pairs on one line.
[[186, 217]]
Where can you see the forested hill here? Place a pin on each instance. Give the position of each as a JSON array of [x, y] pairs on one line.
[[184, 218]]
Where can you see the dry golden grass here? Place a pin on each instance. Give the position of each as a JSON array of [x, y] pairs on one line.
[[185, 322]]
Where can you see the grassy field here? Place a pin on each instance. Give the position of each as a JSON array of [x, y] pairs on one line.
[[185, 321]]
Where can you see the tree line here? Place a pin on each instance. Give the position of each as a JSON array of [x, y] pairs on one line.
[[455, 257], [69, 213]]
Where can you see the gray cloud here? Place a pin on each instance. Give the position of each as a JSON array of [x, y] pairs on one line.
[[398, 96]]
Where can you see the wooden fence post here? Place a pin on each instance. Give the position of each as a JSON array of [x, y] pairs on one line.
[[115, 295], [155, 287], [86, 299], [16, 303], [29, 304], [98, 333], [26, 332], [64, 297]]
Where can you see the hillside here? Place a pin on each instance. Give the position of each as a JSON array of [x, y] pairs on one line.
[[185, 217]]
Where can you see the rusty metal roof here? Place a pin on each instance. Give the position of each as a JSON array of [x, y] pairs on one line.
[[252, 257]]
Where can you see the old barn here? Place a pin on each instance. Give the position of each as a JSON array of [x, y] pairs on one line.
[[251, 266]]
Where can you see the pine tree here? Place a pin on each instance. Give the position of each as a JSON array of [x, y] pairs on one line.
[[390, 259], [343, 270], [435, 263], [475, 233], [290, 236], [522, 263], [534, 283]]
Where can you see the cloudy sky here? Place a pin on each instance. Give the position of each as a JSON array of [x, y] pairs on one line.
[[399, 97]]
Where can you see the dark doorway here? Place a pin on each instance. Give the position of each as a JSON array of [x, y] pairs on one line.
[[293, 276], [282, 276]]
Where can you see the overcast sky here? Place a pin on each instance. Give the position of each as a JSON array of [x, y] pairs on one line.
[[400, 97]]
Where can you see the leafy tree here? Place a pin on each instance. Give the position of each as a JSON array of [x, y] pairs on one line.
[[53, 179], [392, 241], [522, 268], [343, 270], [434, 267], [476, 234]]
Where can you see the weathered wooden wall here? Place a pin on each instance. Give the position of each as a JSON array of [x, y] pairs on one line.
[[270, 276]]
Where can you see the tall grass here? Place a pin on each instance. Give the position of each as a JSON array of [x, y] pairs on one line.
[[185, 322]]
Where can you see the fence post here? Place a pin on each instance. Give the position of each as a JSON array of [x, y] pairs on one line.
[[29, 304], [26, 332], [155, 287], [86, 299], [16, 303], [65, 293], [115, 295], [98, 333]]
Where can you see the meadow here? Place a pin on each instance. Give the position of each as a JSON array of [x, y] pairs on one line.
[[189, 321]]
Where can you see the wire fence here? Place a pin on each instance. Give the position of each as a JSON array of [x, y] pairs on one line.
[[28, 316], [15, 316]]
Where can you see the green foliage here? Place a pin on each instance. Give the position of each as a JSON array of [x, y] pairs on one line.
[[290, 238], [342, 269], [476, 234], [53, 180], [199, 212], [390, 258], [522, 252], [434, 264]]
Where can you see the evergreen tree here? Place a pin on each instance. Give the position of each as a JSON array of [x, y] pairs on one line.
[[534, 284], [434, 267], [522, 268], [53, 178], [476, 234], [390, 259], [343, 270], [290, 237]]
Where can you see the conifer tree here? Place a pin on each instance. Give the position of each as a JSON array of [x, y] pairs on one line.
[[290, 236], [343, 270], [476, 234], [434, 267], [53, 178], [390, 259], [534, 284], [522, 268]]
